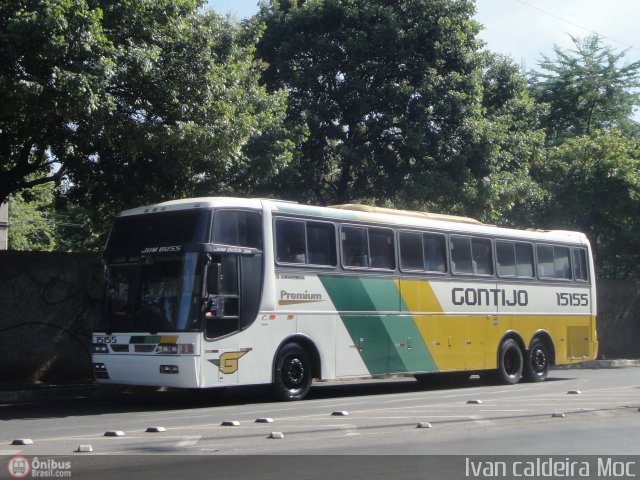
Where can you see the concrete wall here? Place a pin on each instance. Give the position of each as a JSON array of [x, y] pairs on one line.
[[49, 303], [4, 226], [618, 319]]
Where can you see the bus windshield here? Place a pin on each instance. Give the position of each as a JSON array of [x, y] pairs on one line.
[[160, 293]]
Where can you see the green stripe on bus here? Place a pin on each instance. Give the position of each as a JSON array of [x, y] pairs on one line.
[[369, 332], [392, 343], [145, 339]]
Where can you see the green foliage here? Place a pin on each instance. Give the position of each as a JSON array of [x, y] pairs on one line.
[[395, 105], [133, 102], [31, 222], [593, 185], [188, 109], [382, 91], [586, 89], [55, 62], [505, 144]]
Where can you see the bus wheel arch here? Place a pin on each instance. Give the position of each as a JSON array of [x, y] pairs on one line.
[[510, 359], [294, 366], [539, 357]]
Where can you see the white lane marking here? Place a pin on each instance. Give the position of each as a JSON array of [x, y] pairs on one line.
[[188, 441], [479, 420]]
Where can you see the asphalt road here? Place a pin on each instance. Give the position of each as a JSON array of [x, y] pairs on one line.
[[383, 417]]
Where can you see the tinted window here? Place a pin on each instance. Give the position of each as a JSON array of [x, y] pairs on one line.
[[461, 255], [553, 262], [382, 249], [482, 258], [321, 243], [506, 259], [238, 228], [580, 265], [411, 251], [471, 255], [435, 253], [423, 252], [355, 249], [524, 260], [514, 259], [301, 242], [368, 247], [290, 241], [159, 229]]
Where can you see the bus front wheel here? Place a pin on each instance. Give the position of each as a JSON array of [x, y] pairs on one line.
[[292, 373], [510, 362]]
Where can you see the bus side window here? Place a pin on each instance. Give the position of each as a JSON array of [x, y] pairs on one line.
[[239, 228], [290, 241], [355, 251], [321, 244], [435, 253], [411, 251], [506, 259], [580, 265], [382, 249], [461, 255]]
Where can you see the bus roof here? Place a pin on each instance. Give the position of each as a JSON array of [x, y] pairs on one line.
[[365, 213]]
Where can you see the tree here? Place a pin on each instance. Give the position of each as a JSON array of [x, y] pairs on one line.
[[394, 104], [55, 63], [187, 110], [31, 219], [133, 102], [587, 88], [380, 92], [593, 185], [505, 144]]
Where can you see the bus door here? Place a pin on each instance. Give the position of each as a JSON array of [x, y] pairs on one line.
[[234, 289], [222, 321]]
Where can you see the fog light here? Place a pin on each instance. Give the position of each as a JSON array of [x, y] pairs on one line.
[[100, 371], [169, 369]]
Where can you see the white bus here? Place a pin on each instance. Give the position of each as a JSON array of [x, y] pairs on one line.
[[214, 292]]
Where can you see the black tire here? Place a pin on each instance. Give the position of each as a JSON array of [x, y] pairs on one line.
[[537, 362], [292, 373], [510, 363]]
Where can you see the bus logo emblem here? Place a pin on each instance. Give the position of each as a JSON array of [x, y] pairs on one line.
[[228, 361]]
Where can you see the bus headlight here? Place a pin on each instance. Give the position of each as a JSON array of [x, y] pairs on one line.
[[167, 348]]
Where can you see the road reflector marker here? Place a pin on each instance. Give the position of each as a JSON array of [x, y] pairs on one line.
[[114, 433], [574, 392], [276, 435], [264, 420], [558, 415], [340, 413], [84, 448], [474, 402], [424, 425], [230, 423], [22, 441], [155, 429]]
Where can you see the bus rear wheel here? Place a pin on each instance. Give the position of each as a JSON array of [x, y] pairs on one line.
[[292, 374], [510, 362], [536, 365]]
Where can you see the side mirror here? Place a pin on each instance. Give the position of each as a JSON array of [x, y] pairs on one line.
[[214, 280]]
